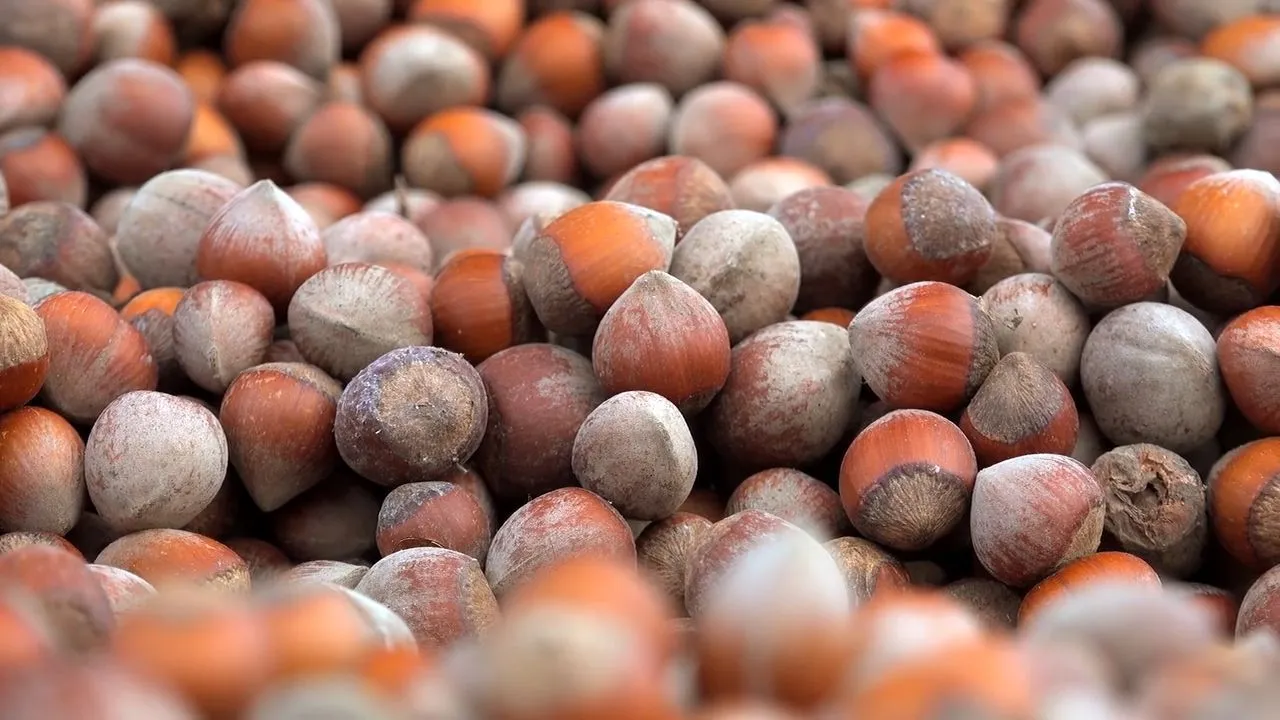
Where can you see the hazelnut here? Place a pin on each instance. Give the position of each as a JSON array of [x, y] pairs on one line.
[[479, 306], [336, 519], [767, 414], [1150, 374], [867, 568], [922, 96], [897, 462], [551, 155], [1197, 104], [557, 61], [121, 142], [65, 592], [1022, 408], [945, 625], [573, 273], [763, 183], [203, 70], [42, 478], [490, 28], [1115, 245], [404, 58], [636, 451], [40, 165], [745, 264], [379, 237], [1091, 87], [551, 528], [1155, 506], [410, 415], [220, 329], [993, 602], [1038, 182], [528, 445], [94, 356], [132, 28], [681, 187], [1022, 123], [24, 353], [543, 198], [278, 419], [663, 550], [266, 102], [319, 572], [876, 35], [1241, 486], [464, 150], [623, 127], [125, 591], [463, 223], [842, 137], [61, 31], [1227, 262], [1077, 577], [302, 33], [723, 546], [1001, 73], [346, 316], [264, 239], [1247, 351], [777, 59], [660, 324], [990, 676], [440, 593], [433, 514], [966, 158], [674, 43], [907, 239], [1020, 247], [36, 84], [701, 128], [159, 231], [927, 345], [344, 144], [59, 242], [1053, 33], [1033, 514], [1258, 608]]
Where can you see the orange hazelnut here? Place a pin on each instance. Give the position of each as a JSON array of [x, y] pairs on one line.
[[572, 248], [465, 222], [927, 345], [922, 96], [266, 240], [557, 61], [166, 557], [266, 102], [1248, 350], [962, 23], [1088, 571], [27, 638], [1165, 178], [834, 315], [799, 498], [211, 136], [24, 356], [551, 155], [1020, 123], [842, 137], [908, 242], [300, 33], [267, 563], [42, 478], [684, 188], [1033, 514], [60, 30], [315, 630], [132, 29], [479, 306], [674, 43], [464, 151], [20, 539], [776, 59], [945, 627], [327, 204], [1053, 33], [433, 514], [1115, 245], [59, 242], [35, 86], [215, 651], [440, 594], [63, 587], [151, 312], [342, 144], [635, 348], [877, 36], [94, 356], [1240, 486], [203, 71], [966, 158], [897, 460], [402, 58], [724, 124], [1001, 73], [1021, 408], [1228, 262], [489, 27], [104, 119]]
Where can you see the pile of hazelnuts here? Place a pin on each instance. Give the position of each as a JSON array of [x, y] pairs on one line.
[[639, 359]]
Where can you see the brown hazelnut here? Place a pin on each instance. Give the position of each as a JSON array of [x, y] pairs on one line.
[[1022, 408]]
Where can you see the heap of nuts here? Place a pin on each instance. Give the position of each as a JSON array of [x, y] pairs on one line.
[[639, 359]]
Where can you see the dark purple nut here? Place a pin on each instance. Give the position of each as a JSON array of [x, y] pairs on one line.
[[154, 461], [220, 329], [433, 514], [60, 242], [827, 225], [566, 523], [411, 415], [278, 418], [160, 228], [797, 497], [538, 396], [346, 316], [790, 397], [635, 450], [335, 520], [441, 594], [842, 137]]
